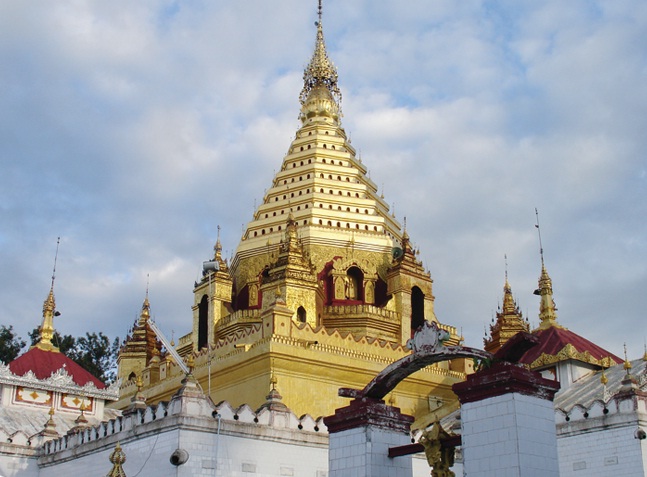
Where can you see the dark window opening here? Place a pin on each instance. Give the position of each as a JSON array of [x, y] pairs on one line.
[[203, 322], [301, 314], [417, 309]]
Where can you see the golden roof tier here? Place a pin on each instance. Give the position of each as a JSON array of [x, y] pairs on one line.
[[322, 183]]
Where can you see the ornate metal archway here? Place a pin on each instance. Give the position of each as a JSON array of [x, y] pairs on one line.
[[428, 348]]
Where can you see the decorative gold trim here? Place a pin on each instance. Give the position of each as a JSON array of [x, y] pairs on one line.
[[570, 352]]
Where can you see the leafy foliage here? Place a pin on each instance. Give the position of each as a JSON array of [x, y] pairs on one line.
[[95, 353], [10, 344]]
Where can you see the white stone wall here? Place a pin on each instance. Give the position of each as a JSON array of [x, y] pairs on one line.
[[601, 440], [612, 452], [15, 465], [509, 436], [220, 442], [210, 454], [364, 452]]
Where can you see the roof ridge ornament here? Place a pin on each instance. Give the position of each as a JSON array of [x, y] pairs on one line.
[[547, 308], [49, 312]]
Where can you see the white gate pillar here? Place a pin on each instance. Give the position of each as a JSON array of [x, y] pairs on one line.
[[360, 437]]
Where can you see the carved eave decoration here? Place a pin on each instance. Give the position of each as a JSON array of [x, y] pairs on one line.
[[341, 264], [570, 352], [59, 381]]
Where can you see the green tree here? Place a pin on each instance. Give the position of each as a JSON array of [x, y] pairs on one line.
[[95, 353], [10, 344]]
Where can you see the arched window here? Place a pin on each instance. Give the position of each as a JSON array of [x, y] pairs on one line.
[[301, 314], [417, 309], [354, 280]]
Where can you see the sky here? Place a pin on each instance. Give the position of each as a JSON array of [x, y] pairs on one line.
[[132, 130]]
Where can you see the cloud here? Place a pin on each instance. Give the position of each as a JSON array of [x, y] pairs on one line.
[[133, 131]]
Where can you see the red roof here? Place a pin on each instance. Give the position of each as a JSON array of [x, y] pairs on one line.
[[45, 363], [552, 340]]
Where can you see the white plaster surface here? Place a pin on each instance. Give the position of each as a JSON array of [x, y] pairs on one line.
[[509, 436]]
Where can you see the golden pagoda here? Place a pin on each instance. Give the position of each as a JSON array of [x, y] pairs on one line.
[[509, 321], [324, 289]]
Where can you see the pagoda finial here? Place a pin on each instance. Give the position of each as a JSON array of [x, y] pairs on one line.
[[627, 364], [320, 76], [541, 248], [217, 253], [49, 430], [117, 459], [49, 312], [547, 308], [218, 247], [146, 306]]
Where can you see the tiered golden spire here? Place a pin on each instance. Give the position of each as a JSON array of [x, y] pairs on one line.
[[509, 320], [145, 315], [320, 80], [217, 253], [547, 308], [49, 312]]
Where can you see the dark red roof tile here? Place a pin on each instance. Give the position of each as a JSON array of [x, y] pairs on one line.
[[45, 363], [552, 340]]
